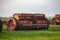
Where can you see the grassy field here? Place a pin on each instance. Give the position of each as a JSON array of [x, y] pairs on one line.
[[53, 33]]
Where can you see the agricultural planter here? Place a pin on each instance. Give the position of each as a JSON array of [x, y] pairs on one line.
[[28, 21]]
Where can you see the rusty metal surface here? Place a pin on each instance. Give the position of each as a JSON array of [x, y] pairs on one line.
[[57, 16]]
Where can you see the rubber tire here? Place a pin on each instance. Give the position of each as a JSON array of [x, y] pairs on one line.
[[53, 21], [16, 27], [1, 25], [47, 23]]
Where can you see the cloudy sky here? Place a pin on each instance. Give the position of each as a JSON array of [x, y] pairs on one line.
[[47, 7]]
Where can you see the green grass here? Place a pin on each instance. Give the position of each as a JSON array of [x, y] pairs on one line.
[[53, 33]]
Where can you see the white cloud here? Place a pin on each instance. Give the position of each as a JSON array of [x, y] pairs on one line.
[[40, 6]]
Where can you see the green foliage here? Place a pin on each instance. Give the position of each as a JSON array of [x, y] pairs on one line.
[[4, 19], [53, 33]]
